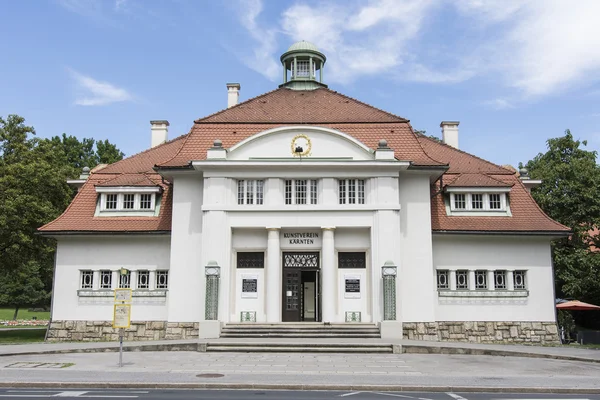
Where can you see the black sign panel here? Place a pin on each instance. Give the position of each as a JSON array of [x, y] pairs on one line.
[[352, 285], [249, 285]]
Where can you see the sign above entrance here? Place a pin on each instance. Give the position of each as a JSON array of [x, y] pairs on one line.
[[301, 239]]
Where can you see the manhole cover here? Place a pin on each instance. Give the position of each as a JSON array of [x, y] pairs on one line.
[[210, 375]]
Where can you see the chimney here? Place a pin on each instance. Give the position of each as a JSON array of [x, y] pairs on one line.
[[159, 131], [233, 94], [450, 133]]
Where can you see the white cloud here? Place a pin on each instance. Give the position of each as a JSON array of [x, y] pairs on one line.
[[546, 46], [499, 104], [96, 93], [262, 58]]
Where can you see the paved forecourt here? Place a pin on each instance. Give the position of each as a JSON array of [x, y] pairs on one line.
[[301, 371]]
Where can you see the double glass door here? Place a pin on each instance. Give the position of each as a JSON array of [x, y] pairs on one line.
[[301, 287]]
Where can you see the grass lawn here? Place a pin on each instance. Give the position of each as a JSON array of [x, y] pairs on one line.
[[7, 314], [22, 336]]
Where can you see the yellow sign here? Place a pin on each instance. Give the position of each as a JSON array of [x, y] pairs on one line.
[[122, 316], [123, 295]]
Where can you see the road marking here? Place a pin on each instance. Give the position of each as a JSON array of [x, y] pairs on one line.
[[456, 396], [395, 395], [349, 394], [69, 394]]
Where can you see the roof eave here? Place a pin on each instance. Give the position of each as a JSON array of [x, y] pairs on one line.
[[556, 234], [101, 233]]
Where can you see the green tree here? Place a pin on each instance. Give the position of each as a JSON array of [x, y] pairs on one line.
[[33, 192], [570, 194], [23, 287]]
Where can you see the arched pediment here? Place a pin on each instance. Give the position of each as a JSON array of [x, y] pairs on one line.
[[308, 142]]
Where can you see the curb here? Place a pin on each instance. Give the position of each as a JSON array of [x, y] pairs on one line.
[[408, 349], [252, 386], [416, 349]]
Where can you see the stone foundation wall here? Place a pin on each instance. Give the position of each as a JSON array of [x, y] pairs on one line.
[[483, 332], [88, 331]]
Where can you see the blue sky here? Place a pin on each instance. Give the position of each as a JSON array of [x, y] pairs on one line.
[[514, 73]]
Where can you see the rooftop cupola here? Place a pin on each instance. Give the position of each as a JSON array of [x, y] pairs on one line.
[[301, 63]]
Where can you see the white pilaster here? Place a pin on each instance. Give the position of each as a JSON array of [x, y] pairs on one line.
[[471, 279], [96, 281], [273, 275], [133, 280], [114, 280], [152, 279], [510, 280], [328, 275], [452, 279], [491, 284]]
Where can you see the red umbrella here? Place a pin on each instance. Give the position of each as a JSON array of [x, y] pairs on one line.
[[576, 305]]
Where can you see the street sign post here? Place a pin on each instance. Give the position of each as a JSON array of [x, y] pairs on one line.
[[122, 315]]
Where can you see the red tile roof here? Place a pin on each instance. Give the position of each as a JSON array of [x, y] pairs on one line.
[[320, 107], [473, 180]]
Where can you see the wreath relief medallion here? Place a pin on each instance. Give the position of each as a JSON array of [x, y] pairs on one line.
[[301, 146]]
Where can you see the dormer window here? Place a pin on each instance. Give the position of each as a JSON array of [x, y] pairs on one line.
[[127, 201], [478, 202]]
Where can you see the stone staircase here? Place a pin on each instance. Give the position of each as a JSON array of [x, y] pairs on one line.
[[300, 330], [300, 338]]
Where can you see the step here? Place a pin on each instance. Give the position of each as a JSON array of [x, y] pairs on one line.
[[299, 349], [283, 335], [303, 325], [262, 330]]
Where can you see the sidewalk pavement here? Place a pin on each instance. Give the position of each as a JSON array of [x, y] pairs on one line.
[[570, 352], [448, 366]]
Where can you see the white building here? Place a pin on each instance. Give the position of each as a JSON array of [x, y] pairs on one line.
[[314, 207]]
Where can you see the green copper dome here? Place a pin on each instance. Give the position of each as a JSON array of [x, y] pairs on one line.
[[303, 45]]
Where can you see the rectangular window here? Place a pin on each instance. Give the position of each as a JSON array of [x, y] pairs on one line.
[[260, 191], [495, 203], [143, 280], [128, 201], [250, 259], [460, 201], [303, 68], [125, 280], [442, 279], [87, 279], [477, 201], [106, 279], [351, 191], [145, 201], [352, 259], [500, 279], [462, 279], [480, 279], [300, 191], [111, 201], [250, 191], [162, 279], [288, 191], [519, 280]]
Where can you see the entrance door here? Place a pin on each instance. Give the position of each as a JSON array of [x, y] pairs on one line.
[[300, 287]]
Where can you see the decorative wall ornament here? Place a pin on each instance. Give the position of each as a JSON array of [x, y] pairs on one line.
[[353, 316], [248, 316], [301, 146]]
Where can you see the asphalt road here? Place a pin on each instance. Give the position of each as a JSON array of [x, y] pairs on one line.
[[271, 395]]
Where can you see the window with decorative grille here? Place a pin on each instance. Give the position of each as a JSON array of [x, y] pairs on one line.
[[500, 279], [106, 279], [162, 279], [125, 280], [462, 279], [250, 259], [442, 279], [352, 259], [143, 280], [87, 279], [480, 279], [519, 281]]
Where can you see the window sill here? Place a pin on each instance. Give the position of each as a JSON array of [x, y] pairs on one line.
[[301, 207], [111, 293], [483, 293]]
